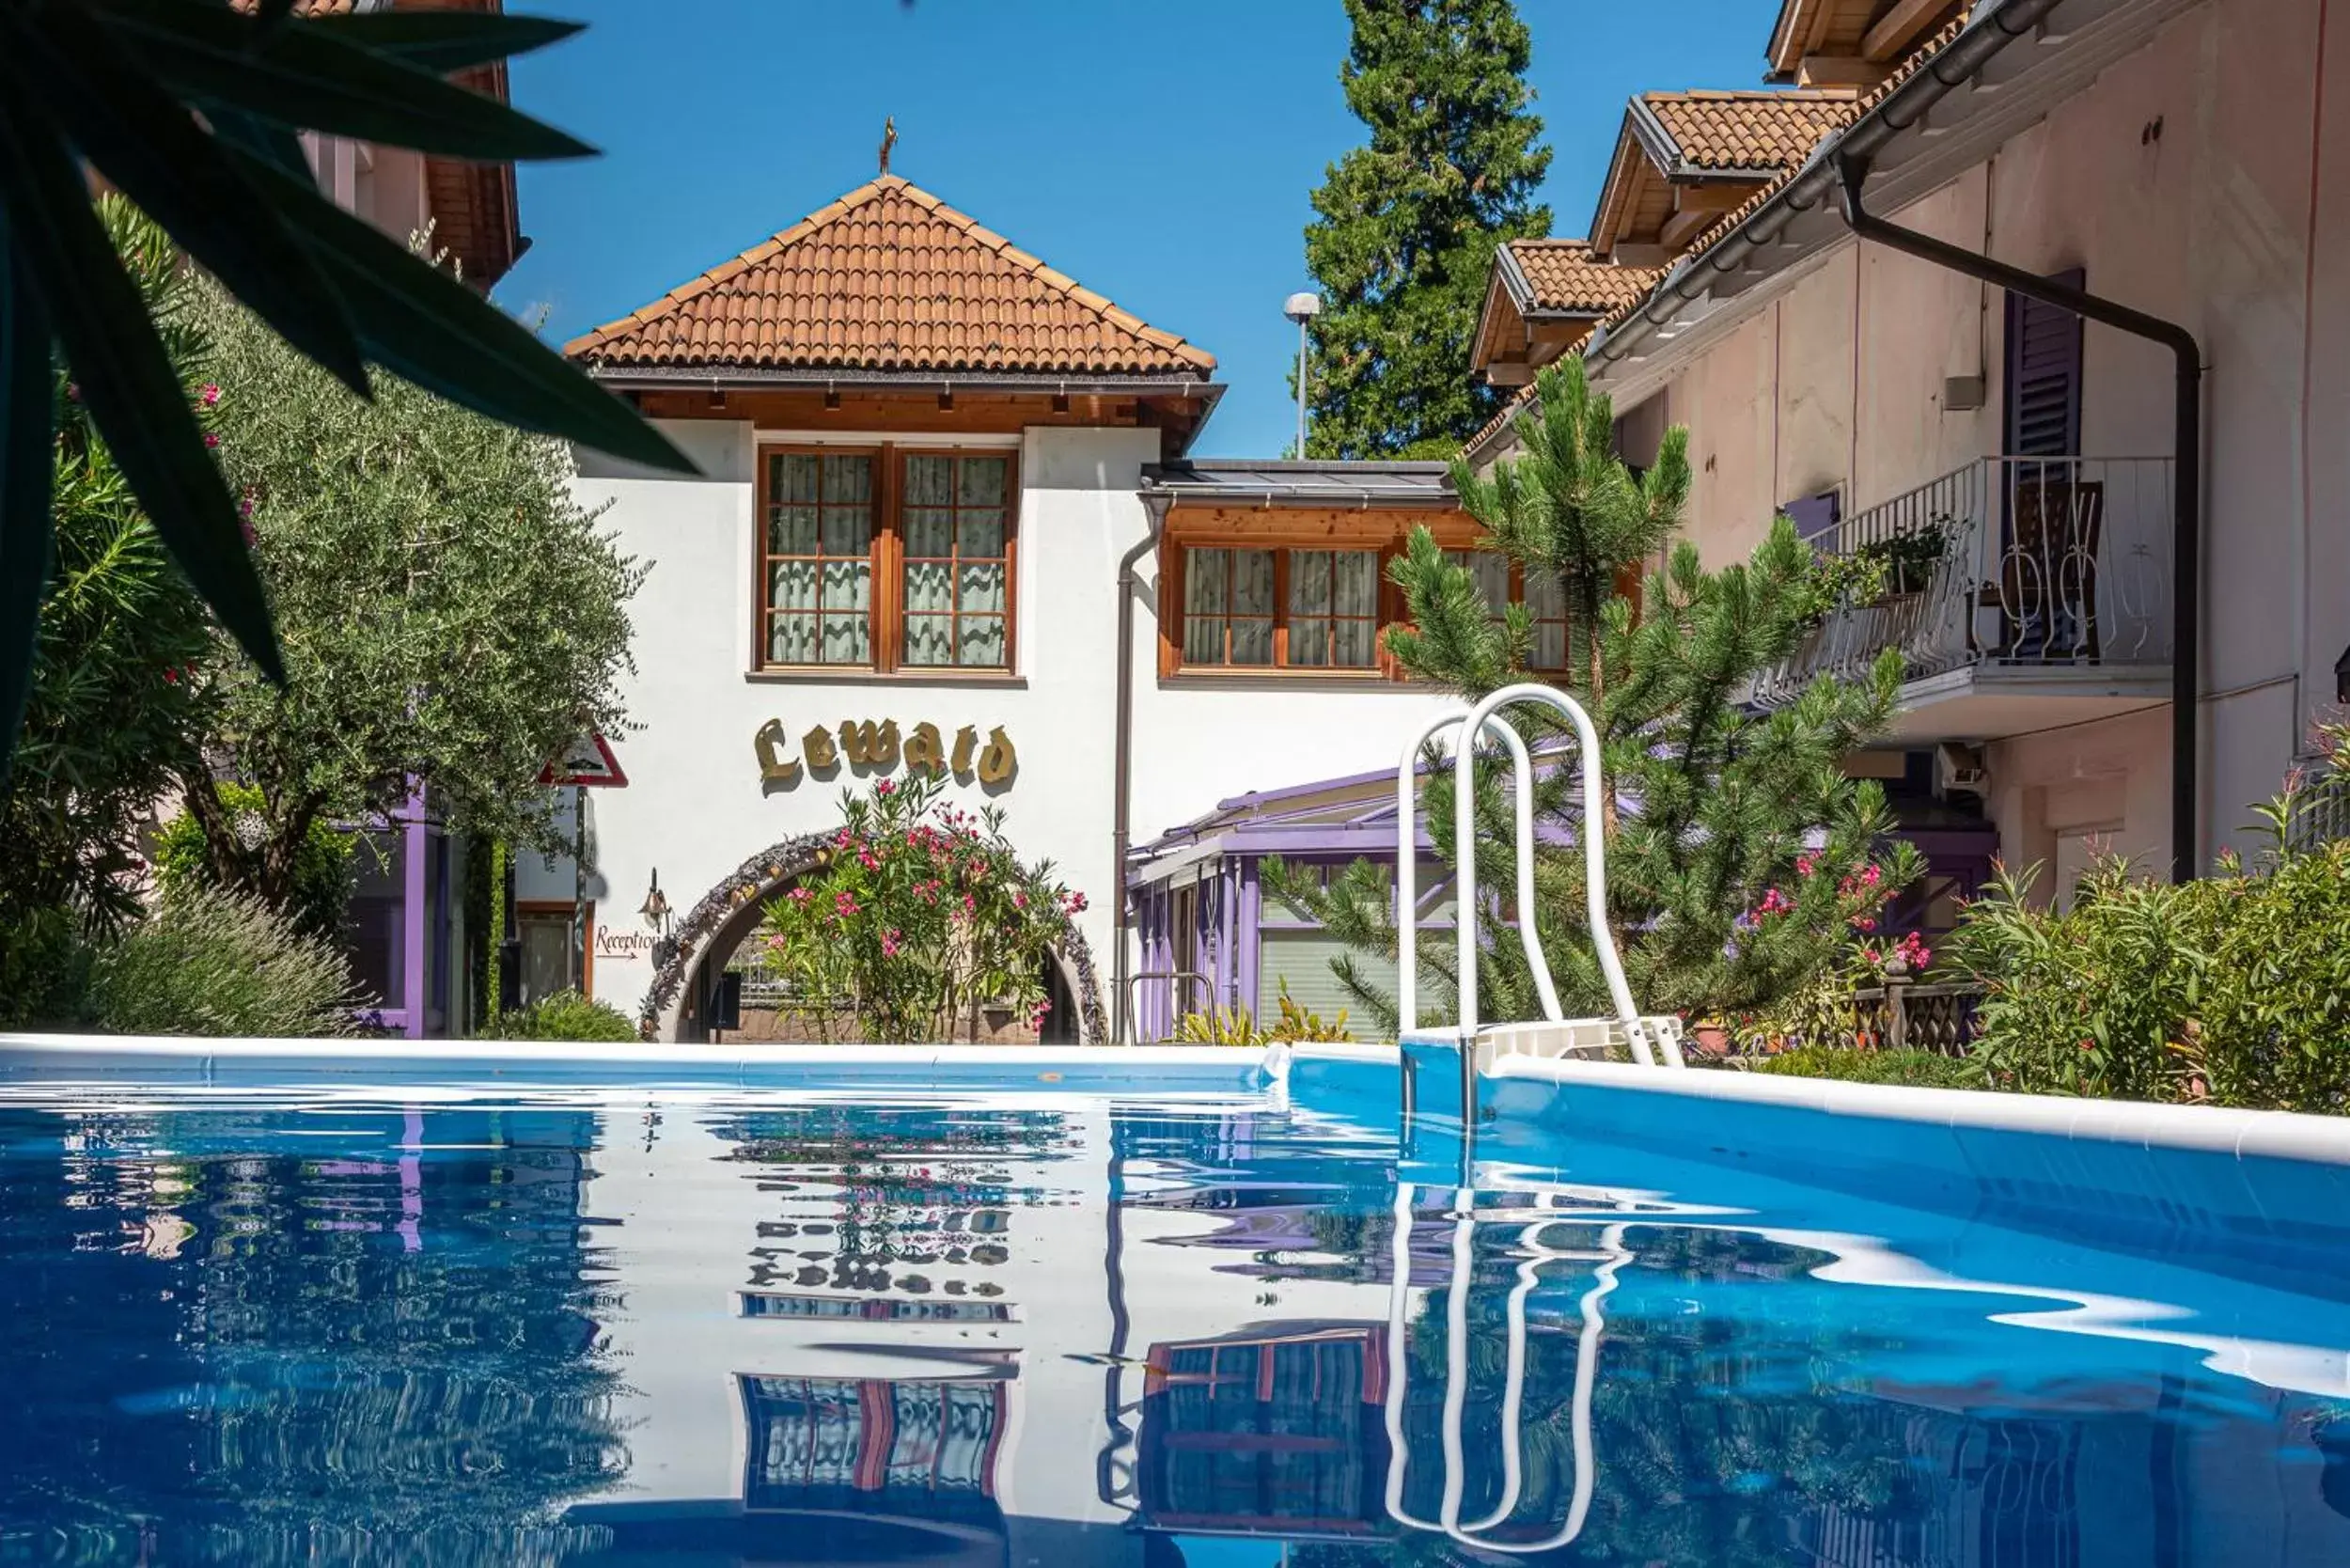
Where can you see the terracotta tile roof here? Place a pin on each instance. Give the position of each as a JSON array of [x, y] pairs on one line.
[[1564, 277], [1750, 130], [1848, 110], [890, 279], [1837, 113]]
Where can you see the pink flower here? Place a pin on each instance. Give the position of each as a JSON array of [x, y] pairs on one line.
[[1074, 904], [1872, 876], [1775, 902], [1862, 922], [867, 859], [171, 675], [210, 393], [801, 895], [1019, 899], [970, 905], [1807, 864], [891, 941], [212, 438], [885, 788], [844, 904]]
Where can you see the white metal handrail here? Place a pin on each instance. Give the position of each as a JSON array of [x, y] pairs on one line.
[[1462, 726], [1407, 870]]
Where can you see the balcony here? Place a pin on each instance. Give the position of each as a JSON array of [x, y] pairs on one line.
[[2020, 593]]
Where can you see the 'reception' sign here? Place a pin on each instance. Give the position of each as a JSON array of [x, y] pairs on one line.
[[879, 747]]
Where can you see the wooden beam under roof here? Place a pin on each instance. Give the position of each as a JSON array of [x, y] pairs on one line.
[[1889, 36]]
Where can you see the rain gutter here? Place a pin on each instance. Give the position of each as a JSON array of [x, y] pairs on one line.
[[2187, 486], [1816, 184], [1122, 964]]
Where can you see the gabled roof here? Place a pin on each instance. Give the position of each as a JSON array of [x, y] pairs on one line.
[[890, 279], [1762, 130], [1541, 297], [1563, 277], [1679, 138], [1849, 34]]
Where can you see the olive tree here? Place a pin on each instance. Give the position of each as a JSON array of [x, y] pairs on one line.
[[450, 615]]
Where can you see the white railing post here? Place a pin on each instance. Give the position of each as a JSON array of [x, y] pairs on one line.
[[1407, 869]]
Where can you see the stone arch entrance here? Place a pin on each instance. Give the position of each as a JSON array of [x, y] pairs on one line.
[[687, 962]]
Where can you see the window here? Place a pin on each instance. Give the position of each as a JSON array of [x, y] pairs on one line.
[[1502, 583], [1307, 608], [550, 960], [883, 560], [958, 605], [819, 558], [1228, 608], [1287, 609], [1334, 609]]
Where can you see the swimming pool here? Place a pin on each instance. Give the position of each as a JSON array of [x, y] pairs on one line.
[[1052, 1310]]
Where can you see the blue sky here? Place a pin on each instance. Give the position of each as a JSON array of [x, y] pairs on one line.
[[1160, 151]]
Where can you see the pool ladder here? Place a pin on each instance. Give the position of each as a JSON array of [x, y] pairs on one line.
[[1651, 1041]]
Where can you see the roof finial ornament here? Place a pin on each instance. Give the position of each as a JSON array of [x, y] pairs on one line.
[[889, 139]]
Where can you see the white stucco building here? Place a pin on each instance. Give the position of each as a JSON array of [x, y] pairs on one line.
[[939, 483], [2183, 161]]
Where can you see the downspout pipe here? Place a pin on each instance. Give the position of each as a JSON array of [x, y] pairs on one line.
[[1122, 964], [2187, 512]]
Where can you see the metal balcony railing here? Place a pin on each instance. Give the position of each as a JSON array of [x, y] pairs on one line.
[[2007, 564]]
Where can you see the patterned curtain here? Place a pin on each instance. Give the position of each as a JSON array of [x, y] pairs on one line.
[[958, 581], [1333, 605], [819, 567], [1228, 608], [1549, 607]]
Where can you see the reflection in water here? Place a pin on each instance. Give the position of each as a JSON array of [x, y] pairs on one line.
[[227, 1345], [1062, 1334]]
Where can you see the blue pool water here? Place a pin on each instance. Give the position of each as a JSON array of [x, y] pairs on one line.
[[263, 1327]]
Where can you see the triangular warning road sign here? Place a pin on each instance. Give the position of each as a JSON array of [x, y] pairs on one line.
[[587, 761]]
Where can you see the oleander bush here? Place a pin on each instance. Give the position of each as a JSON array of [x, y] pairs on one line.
[[2233, 990], [213, 963], [921, 919], [566, 1016]]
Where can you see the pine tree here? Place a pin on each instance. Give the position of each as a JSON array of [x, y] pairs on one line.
[[1406, 228], [1741, 859]]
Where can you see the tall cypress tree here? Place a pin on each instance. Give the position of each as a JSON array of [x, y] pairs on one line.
[[1405, 229]]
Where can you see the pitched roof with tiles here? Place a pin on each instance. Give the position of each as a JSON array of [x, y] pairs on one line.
[[1746, 129], [1842, 112], [1563, 276], [1849, 112], [890, 279]]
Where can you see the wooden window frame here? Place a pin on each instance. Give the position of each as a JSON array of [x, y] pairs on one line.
[[762, 595], [1225, 531], [1009, 560], [1175, 573], [885, 558]]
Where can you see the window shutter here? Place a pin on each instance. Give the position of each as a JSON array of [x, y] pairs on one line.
[[2044, 376]]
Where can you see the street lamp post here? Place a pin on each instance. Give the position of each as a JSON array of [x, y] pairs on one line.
[[1302, 309]]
